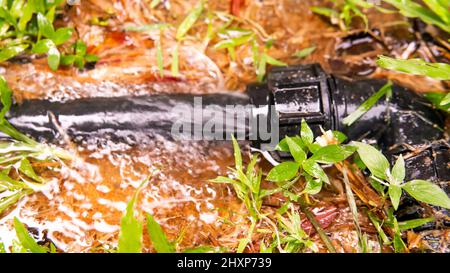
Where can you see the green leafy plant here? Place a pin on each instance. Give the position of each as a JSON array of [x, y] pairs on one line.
[[232, 38], [18, 177], [290, 236], [345, 11], [293, 238], [52, 40], [79, 56], [393, 179], [131, 228], [28, 25], [299, 147], [246, 183]]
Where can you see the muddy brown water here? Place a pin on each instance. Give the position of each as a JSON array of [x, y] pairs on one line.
[[80, 209]]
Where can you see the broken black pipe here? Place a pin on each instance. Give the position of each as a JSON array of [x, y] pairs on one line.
[[398, 126]]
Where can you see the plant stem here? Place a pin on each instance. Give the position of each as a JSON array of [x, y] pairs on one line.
[[326, 240]]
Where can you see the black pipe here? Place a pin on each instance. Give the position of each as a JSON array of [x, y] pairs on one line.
[[133, 120], [398, 126], [295, 92]]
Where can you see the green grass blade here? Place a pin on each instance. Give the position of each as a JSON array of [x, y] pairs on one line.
[[26, 240], [189, 21], [158, 237], [439, 71], [366, 105]]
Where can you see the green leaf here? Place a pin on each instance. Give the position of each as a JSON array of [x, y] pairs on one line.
[[273, 61], [62, 35], [130, 236], [10, 200], [395, 192], [244, 241], [261, 68], [306, 133], [283, 172], [43, 46], [41, 5], [439, 100], [324, 11], [12, 51], [296, 150], [6, 15], [234, 42], [284, 147], [415, 223], [332, 154], [149, 27], [398, 171], [313, 186], [441, 8], [439, 71], [50, 15], [17, 8], [5, 97], [222, 179], [67, 59], [45, 27], [27, 14], [91, 58], [366, 105], [26, 240], [373, 159], [445, 100], [237, 154], [189, 21], [314, 169], [305, 52], [399, 245], [80, 48], [79, 62], [377, 223], [411, 9], [158, 237], [427, 192], [27, 169], [341, 137], [53, 58]]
